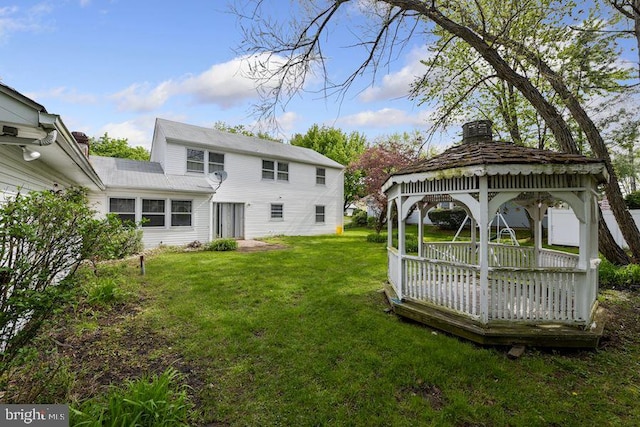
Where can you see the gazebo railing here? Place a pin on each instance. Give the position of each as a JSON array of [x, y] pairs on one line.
[[554, 292], [449, 285], [499, 255], [537, 295]]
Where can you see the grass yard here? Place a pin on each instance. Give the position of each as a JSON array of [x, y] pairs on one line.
[[299, 336]]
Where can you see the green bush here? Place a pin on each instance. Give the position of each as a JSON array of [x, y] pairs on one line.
[[359, 218], [44, 236], [222, 245], [377, 238], [149, 401], [633, 200], [624, 277], [447, 219]]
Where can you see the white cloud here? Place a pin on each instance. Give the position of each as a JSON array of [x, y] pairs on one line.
[[227, 85], [14, 19], [65, 94], [386, 117], [398, 84], [85, 3], [138, 131]]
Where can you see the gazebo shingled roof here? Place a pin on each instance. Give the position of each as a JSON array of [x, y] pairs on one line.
[[496, 153]]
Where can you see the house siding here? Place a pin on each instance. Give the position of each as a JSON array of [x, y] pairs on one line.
[[16, 174], [299, 196], [167, 235]]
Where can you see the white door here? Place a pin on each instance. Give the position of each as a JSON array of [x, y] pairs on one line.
[[228, 220]]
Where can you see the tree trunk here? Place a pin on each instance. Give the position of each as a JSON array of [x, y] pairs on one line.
[[608, 246]]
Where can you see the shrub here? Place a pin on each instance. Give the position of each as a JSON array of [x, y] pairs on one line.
[[613, 276], [633, 200], [377, 238], [447, 219], [359, 218], [222, 245], [44, 236], [149, 401]]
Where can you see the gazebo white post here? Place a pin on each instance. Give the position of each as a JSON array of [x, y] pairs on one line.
[[483, 253], [401, 247], [422, 212]]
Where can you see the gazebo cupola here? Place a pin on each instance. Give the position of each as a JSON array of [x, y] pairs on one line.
[[486, 291]]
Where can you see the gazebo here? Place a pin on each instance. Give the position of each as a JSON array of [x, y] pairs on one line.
[[486, 291]]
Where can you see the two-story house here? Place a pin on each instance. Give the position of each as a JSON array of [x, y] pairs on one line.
[[202, 184]]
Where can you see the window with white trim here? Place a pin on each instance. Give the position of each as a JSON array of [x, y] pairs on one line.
[[195, 160], [319, 214], [277, 211], [275, 170], [283, 171], [268, 169], [153, 212], [125, 209], [321, 176], [181, 212], [216, 162]]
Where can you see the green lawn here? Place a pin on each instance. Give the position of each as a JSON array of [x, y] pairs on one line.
[[300, 336]]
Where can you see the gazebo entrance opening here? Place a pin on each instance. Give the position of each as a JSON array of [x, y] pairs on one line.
[[491, 292]]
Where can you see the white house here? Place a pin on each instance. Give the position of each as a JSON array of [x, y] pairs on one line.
[[269, 188], [37, 151]]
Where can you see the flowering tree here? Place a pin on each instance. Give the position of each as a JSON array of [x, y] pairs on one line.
[[377, 163]]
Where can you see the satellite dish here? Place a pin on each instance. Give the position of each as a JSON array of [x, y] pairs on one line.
[[216, 178]]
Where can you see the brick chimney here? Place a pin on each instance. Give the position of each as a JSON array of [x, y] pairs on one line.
[[477, 131], [83, 142]]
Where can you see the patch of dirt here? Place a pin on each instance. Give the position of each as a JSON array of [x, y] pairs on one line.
[[118, 349], [257, 246], [428, 392], [622, 324]]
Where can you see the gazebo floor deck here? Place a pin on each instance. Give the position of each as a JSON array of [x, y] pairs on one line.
[[498, 333]]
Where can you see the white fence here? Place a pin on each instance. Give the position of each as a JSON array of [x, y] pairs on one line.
[[564, 227]]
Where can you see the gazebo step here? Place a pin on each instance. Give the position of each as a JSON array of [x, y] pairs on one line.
[[501, 333]]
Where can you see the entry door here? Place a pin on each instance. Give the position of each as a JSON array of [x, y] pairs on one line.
[[228, 220]]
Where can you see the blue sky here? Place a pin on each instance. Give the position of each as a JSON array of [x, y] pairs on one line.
[[115, 65]]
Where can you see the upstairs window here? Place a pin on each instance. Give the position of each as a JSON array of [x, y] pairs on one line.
[[275, 170], [153, 214], [268, 169], [195, 160], [216, 162], [321, 176], [181, 213], [125, 209], [283, 171]]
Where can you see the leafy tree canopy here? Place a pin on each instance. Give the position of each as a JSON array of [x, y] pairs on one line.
[[117, 147], [242, 130]]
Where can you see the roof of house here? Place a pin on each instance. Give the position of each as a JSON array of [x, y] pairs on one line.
[[126, 173], [231, 142]]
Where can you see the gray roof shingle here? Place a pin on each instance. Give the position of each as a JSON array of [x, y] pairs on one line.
[[230, 142], [126, 173]]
